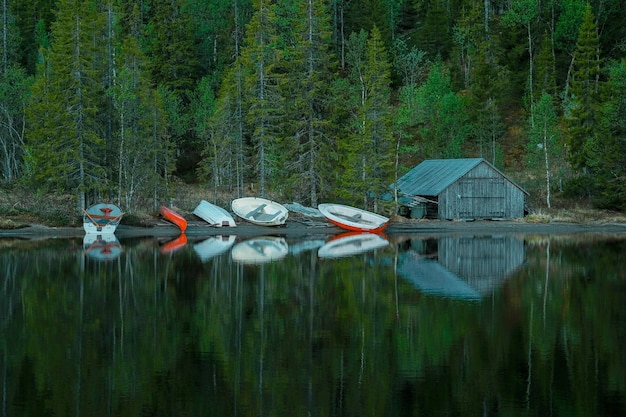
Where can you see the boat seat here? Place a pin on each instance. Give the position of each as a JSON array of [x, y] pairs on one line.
[[266, 217], [256, 211], [357, 218]]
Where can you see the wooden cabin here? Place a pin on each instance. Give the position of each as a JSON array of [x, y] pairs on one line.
[[466, 189]]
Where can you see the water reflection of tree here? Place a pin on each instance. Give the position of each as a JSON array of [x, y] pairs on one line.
[[175, 336]]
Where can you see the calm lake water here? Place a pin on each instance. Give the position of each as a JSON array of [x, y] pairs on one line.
[[355, 326]]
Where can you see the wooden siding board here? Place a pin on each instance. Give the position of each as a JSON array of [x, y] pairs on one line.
[[482, 193]]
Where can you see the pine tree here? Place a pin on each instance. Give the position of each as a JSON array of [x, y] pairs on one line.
[[586, 95], [171, 47], [367, 153], [261, 90], [309, 68], [142, 157], [65, 148], [610, 174]]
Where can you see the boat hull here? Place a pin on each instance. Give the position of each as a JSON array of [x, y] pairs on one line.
[[214, 215], [260, 211], [173, 217], [102, 218], [352, 218]]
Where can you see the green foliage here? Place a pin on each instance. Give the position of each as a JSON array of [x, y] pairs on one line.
[[367, 150], [583, 120], [610, 174], [442, 116], [65, 140], [14, 91], [283, 114]]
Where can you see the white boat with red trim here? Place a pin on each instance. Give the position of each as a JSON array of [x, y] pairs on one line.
[[102, 218], [352, 218]]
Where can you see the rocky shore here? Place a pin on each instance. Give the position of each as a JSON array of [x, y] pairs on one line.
[[304, 226]]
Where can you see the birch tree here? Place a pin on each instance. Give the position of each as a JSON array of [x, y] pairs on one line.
[[543, 139]]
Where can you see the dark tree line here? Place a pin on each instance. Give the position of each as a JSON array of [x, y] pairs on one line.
[[309, 100]]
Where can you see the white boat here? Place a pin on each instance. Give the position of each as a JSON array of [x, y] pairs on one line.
[[213, 247], [102, 247], [352, 218], [351, 243], [260, 211], [214, 215], [260, 250], [102, 218]]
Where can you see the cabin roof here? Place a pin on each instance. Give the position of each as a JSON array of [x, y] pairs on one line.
[[433, 176]]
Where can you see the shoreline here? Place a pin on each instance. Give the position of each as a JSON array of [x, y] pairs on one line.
[[303, 227]]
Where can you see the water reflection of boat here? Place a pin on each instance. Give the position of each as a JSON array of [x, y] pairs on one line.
[[468, 267], [174, 244], [260, 249], [351, 243], [305, 246], [104, 247], [213, 246]]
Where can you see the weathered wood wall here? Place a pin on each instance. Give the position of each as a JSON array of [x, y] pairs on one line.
[[482, 193]]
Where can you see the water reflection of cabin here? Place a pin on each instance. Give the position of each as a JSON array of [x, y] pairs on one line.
[[469, 188], [467, 267]]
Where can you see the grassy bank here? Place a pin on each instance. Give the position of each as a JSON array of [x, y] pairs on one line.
[[20, 207]]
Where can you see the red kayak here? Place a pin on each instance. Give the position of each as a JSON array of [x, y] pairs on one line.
[[173, 217]]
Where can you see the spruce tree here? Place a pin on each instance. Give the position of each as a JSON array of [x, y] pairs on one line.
[[585, 95], [309, 69], [367, 153], [65, 148], [142, 157], [261, 93], [610, 174]]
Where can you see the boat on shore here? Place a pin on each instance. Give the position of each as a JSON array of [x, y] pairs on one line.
[[102, 218], [351, 243], [260, 211], [173, 217], [214, 215], [352, 218]]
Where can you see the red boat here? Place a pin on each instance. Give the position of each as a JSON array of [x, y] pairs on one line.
[[173, 217]]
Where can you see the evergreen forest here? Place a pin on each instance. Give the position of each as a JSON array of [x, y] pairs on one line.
[[309, 100]]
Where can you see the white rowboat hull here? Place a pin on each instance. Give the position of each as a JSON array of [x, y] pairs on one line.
[[214, 215]]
